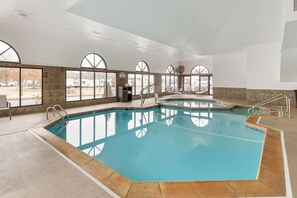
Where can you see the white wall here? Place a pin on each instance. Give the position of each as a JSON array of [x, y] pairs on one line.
[[290, 14], [263, 67], [289, 65], [229, 70], [41, 48], [256, 68]]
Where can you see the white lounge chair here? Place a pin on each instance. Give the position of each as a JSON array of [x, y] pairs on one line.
[[201, 92], [5, 105], [157, 99]]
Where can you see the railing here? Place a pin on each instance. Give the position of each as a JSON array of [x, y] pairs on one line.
[[142, 95], [281, 109], [56, 109]]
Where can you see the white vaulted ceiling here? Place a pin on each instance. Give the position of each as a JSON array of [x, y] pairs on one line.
[[178, 28], [188, 25]]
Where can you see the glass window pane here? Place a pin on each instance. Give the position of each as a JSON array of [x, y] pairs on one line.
[[72, 85], [138, 83], [131, 82], [195, 83], [97, 60], [87, 85], [163, 83], [168, 88], [211, 85], [9, 84], [187, 83], [101, 65], [204, 84], [145, 83], [145, 69], [172, 85], [100, 79], [86, 63], [31, 93], [111, 85], [9, 56], [176, 82], [152, 82], [91, 59], [3, 47], [7, 53]]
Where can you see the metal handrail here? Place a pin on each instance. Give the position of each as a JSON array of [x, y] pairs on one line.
[[47, 111], [55, 110], [280, 109], [143, 97]]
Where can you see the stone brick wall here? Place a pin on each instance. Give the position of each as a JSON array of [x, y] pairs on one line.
[[253, 96], [229, 93], [54, 87], [258, 95]]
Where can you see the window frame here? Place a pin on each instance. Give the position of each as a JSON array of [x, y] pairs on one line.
[[20, 84], [146, 66], [94, 67], [199, 74], [93, 70], [17, 62], [142, 73]]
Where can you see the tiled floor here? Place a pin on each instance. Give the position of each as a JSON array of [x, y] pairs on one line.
[[29, 168]]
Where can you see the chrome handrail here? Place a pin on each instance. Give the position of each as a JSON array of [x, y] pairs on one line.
[[47, 111], [55, 110], [280, 109], [143, 96]]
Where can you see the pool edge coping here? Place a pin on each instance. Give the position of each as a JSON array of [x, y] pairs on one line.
[[122, 186]]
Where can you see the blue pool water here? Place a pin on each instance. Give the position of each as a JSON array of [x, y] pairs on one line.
[[195, 103], [167, 144]]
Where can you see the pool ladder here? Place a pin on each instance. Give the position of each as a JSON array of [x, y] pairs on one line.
[[56, 109], [143, 95], [281, 109]]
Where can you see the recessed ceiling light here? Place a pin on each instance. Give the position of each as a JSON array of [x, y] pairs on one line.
[[20, 14], [95, 33], [23, 15]]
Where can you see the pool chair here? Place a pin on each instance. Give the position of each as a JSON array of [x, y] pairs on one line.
[[158, 100], [5, 105], [201, 92]]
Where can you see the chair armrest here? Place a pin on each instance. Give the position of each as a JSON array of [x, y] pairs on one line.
[[8, 104]]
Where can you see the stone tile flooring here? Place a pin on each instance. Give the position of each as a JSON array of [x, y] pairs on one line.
[[29, 168]]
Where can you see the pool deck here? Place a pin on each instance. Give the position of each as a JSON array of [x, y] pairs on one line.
[[30, 168]]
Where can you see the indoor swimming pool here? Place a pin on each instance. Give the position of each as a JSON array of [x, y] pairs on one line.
[[168, 144]]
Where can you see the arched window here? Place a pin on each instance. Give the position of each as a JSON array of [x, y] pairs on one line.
[[8, 53], [93, 61], [142, 66], [170, 80], [141, 79], [199, 70], [170, 70], [200, 80]]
